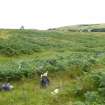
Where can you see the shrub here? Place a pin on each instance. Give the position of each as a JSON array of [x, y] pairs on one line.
[[91, 96], [79, 103], [102, 91]]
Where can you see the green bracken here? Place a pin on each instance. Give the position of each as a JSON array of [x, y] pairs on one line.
[[75, 61]]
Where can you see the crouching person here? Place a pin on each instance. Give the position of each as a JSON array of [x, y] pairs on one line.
[[44, 80], [7, 87]]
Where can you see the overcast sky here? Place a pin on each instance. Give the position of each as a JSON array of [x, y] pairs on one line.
[[43, 14]]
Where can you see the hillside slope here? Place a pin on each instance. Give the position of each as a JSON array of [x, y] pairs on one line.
[[17, 42], [75, 61], [84, 28]]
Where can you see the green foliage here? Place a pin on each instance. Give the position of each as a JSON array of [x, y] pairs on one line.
[[30, 41], [84, 28], [13, 72], [71, 51], [79, 103], [98, 30], [102, 91], [91, 96], [79, 55]]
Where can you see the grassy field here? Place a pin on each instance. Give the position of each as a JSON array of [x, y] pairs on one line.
[[28, 92], [75, 61]]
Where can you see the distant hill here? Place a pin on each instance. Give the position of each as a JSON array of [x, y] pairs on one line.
[[83, 28]]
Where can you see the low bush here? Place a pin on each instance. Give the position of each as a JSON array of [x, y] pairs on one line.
[[91, 96]]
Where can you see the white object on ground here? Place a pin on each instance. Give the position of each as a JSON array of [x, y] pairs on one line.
[[56, 91], [11, 87]]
